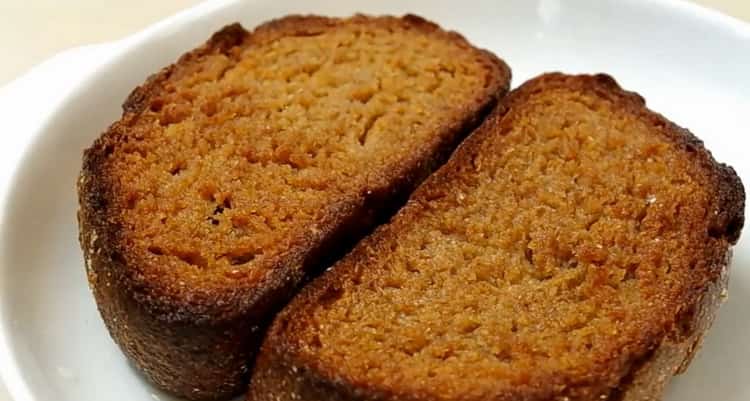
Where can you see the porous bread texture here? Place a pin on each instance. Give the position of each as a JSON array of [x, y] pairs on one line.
[[241, 152], [574, 239], [249, 163]]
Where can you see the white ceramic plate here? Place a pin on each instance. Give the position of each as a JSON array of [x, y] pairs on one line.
[[691, 64]]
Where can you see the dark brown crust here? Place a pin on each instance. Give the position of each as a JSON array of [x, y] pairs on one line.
[[284, 373], [194, 347]]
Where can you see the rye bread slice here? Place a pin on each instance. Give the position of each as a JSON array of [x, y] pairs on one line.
[[575, 247], [242, 168]]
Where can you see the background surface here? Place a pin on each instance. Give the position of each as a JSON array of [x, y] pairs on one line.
[[34, 30]]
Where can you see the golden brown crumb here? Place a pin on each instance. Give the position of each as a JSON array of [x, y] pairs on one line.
[[251, 164], [567, 239], [245, 148]]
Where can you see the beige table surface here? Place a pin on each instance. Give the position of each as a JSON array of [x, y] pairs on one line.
[[34, 30]]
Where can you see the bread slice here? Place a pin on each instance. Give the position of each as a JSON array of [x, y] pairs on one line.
[[575, 247], [243, 167]]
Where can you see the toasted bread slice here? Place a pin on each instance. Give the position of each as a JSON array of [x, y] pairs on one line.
[[575, 247], [243, 167]]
